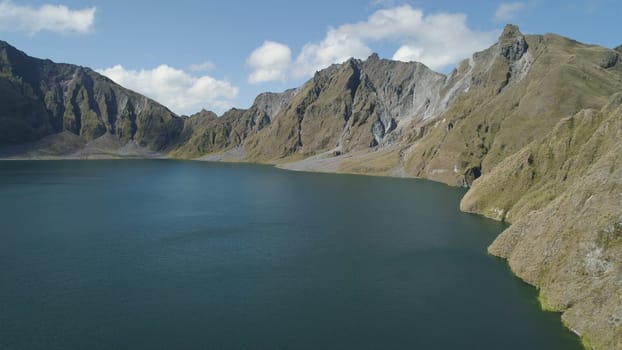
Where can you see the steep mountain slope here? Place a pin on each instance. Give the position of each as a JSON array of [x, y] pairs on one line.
[[40, 98], [402, 119], [532, 124], [527, 85], [205, 133], [562, 194], [351, 107], [514, 93]]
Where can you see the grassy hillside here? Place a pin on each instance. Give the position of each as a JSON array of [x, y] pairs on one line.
[[562, 195]]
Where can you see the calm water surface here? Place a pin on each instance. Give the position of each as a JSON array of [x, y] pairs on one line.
[[170, 254]]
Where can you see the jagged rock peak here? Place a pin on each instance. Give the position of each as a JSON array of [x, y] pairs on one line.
[[512, 43], [270, 103], [510, 32], [373, 57], [353, 62], [266, 96], [205, 114]]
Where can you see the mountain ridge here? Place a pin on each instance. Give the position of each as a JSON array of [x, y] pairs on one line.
[[63, 97], [530, 125]]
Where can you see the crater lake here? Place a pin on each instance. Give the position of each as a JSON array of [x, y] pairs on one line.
[[162, 254]]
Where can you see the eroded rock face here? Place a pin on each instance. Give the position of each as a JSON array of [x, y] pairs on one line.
[[609, 59], [472, 174], [358, 106], [40, 98], [512, 43], [269, 105]]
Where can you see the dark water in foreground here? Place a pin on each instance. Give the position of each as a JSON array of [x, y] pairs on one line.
[[167, 255]]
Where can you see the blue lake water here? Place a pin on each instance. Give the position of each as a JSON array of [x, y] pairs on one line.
[[148, 254]]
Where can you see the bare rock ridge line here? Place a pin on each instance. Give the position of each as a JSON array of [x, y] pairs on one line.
[[41, 98], [532, 125]]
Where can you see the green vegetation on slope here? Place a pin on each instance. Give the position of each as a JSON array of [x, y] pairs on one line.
[[562, 195], [39, 98]]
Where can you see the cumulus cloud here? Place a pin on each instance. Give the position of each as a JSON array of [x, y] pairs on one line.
[[54, 18], [441, 40], [508, 11], [269, 62], [181, 92], [437, 40]]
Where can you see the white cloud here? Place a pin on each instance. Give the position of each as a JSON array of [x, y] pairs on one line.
[[338, 45], [268, 62], [54, 18], [437, 40], [441, 40], [203, 66], [181, 92], [508, 11]]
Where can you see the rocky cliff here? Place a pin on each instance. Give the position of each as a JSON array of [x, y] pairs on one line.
[[532, 125], [39, 98]]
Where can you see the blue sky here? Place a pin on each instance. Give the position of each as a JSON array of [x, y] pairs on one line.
[[191, 55]]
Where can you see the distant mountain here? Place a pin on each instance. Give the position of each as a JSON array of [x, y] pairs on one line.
[[39, 98], [206, 134], [532, 125]]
